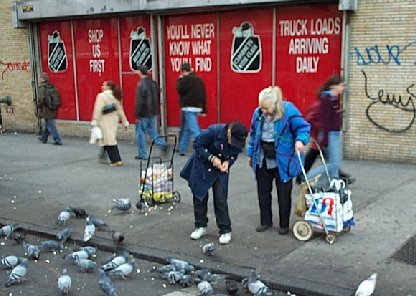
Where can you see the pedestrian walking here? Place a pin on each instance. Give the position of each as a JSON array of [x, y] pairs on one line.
[[215, 151], [146, 110], [48, 104], [108, 110], [278, 131], [329, 130], [192, 101]]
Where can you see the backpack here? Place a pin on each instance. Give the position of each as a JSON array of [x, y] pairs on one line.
[[52, 98]]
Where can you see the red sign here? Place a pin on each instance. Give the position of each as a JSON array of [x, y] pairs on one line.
[[57, 55], [191, 39], [308, 50]]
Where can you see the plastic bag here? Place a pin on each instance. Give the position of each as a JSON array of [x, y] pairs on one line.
[[96, 134]]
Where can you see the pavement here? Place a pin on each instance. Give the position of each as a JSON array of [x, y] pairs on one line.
[[38, 180]]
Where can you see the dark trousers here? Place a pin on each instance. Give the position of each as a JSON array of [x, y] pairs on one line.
[[265, 179], [220, 207], [113, 153]]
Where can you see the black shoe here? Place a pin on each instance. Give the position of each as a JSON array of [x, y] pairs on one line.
[[349, 180], [57, 143], [139, 158], [40, 139], [182, 154], [283, 231], [262, 228]]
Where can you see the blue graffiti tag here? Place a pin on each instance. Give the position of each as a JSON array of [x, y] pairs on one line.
[[376, 55]]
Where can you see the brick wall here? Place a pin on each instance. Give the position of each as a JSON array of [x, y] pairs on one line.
[[383, 46]]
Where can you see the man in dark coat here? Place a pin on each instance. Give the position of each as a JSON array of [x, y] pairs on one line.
[[45, 112], [215, 151], [146, 110], [192, 101]]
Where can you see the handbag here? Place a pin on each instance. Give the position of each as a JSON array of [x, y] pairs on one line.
[[269, 150], [109, 108]]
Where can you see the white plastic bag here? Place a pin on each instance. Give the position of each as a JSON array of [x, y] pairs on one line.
[[96, 134]]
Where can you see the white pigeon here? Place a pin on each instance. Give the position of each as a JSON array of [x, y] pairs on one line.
[[366, 288], [115, 261], [63, 217], [205, 288], [17, 273], [89, 229], [64, 283]]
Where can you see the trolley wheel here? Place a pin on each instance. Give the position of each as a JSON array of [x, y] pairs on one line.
[[330, 238], [176, 197], [150, 202], [302, 230]]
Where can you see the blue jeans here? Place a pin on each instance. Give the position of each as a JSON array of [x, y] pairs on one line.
[[334, 154], [189, 128], [148, 125], [50, 128]]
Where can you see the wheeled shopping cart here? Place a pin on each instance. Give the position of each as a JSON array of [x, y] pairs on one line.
[[156, 183], [327, 210]]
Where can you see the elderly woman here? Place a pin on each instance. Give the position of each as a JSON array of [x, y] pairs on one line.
[[277, 133], [107, 112]]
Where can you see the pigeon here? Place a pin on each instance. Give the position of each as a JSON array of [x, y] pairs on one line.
[[186, 280], [89, 229], [11, 261], [205, 288], [64, 234], [33, 251], [18, 272], [52, 245], [254, 285], [208, 249], [142, 206], [90, 250], [205, 275], [105, 284], [164, 268], [123, 270], [79, 212], [7, 230], [97, 222], [18, 237], [181, 265], [76, 255], [173, 276], [121, 204], [115, 261], [63, 217], [118, 237], [64, 283], [366, 288], [86, 265]]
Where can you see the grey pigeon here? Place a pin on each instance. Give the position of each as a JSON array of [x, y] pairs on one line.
[[254, 285], [76, 255], [173, 276], [117, 236], [17, 273], [86, 265], [186, 280], [205, 275], [105, 284], [142, 206], [115, 261], [18, 237], [64, 234], [208, 249], [33, 251], [63, 217], [64, 283], [181, 265], [123, 270], [164, 268], [89, 249], [7, 230], [205, 288], [79, 212], [121, 204], [11, 261], [97, 222], [52, 245], [89, 230], [367, 287]]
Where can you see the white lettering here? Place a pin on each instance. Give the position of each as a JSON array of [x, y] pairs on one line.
[[308, 46], [201, 47], [307, 64], [203, 64], [97, 66], [177, 62], [203, 31], [326, 26], [95, 35], [179, 48], [293, 27], [177, 32]]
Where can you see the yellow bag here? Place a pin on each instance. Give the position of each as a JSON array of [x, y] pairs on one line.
[[300, 206]]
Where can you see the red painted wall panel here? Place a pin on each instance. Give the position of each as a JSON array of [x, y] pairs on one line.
[[191, 38], [57, 55], [308, 50], [97, 60], [245, 61]]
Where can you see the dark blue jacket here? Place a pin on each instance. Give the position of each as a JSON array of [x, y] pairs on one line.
[[198, 170], [289, 129]]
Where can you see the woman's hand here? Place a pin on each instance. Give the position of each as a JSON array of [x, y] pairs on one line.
[[250, 161], [216, 162], [299, 147], [224, 166]]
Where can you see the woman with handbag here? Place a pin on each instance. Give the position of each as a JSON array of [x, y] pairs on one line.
[[278, 131], [108, 110]]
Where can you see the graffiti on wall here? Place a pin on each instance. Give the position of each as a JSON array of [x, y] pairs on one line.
[[14, 66], [387, 55], [399, 103]]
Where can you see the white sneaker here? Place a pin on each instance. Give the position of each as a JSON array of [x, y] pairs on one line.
[[225, 238], [198, 233]]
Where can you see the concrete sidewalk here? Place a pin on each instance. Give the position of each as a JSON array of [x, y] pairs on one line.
[[38, 180]]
